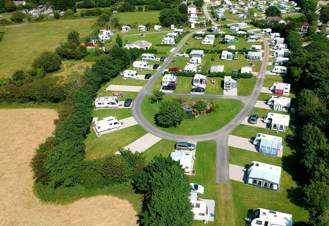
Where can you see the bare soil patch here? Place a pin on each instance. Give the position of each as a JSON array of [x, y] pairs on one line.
[[21, 131]]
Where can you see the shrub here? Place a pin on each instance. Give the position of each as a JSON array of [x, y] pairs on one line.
[[72, 49], [57, 15], [170, 114], [18, 17], [90, 12], [48, 61], [157, 96], [200, 106]]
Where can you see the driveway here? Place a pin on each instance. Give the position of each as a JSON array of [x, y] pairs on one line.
[[236, 173], [123, 88], [143, 143], [241, 143], [262, 105], [259, 124]]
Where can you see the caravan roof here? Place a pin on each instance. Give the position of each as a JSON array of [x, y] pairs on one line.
[[265, 172]]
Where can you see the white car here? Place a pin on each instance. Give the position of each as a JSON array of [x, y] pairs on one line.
[[197, 188]]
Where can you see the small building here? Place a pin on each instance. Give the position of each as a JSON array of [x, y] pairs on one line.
[[196, 53], [168, 80], [130, 74], [191, 9], [186, 160], [107, 102], [263, 217], [105, 35], [157, 27], [141, 28], [140, 44], [246, 70], [264, 175], [216, 69], [226, 55], [106, 125], [230, 86], [268, 144], [280, 70], [199, 81], [191, 68], [256, 47], [281, 61], [208, 40], [281, 88], [279, 103], [253, 55], [202, 209], [168, 41], [228, 38], [125, 28], [149, 56], [277, 122], [141, 64]]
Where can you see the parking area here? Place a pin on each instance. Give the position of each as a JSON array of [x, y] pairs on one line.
[[122, 88], [143, 143], [236, 173], [241, 143]]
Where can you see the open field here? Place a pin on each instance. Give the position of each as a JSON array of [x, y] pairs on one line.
[[137, 17], [22, 130], [22, 43], [225, 110]]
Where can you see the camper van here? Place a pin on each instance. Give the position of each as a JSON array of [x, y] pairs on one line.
[[107, 102]]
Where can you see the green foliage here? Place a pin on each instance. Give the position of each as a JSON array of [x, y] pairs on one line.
[[166, 193], [103, 19], [72, 48], [172, 16], [273, 11], [324, 14], [157, 96], [198, 3], [182, 8], [48, 61], [200, 106], [170, 114], [118, 41], [18, 17]]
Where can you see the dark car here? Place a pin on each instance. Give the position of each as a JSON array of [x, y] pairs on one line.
[[184, 146], [127, 102], [155, 66], [253, 119], [147, 76], [162, 58], [198, 90], [170, 86]]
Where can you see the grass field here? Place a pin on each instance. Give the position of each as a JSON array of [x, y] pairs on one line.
[[131, 18], [251, 197], [163, 147], [23, 43], [246, 86], [118, 113], [224, 112], [108, 144]]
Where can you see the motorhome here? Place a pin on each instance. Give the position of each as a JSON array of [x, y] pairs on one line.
[[130, 74], [265, 217], [149, 56], [208, 40], [199, 81], [277, 122], [280, 70], [141, 64], [226, 55], [106, 124], [280, 88], [107, 102], [268, 144], [279, 103]]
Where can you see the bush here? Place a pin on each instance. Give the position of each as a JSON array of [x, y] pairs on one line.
[[4, 21], [157, 96], [57, 15], [170, 114], [90, 12], [72, 48], [200, 106], [273, 11], [48, 61], [18, 17]]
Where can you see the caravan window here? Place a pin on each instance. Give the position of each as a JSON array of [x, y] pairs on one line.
[[254, 181]]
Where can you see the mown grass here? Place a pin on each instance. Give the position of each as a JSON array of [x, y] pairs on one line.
[[137, 17], [246, 86], [183, 85], [24, 42], [108, 144], [225, 110], [118, 113], [119, 80], [251, 197], [163, 148], [215, 86], [205, 167]]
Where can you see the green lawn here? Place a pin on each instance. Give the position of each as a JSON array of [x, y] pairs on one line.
[[184, 85], [246, 86], [118, 113], [251, 197], [24, 42], [214, 86], [224, 112], [205, 167], [270, 79], [163, 147], [119, 80], [179, 61], [108, 144], [137, 17]]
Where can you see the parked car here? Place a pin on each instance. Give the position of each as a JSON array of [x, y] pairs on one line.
[[170, 86], [198, 90], [163, 58], [156, 66], [197, 188], [253, 119], [147, 76], [128, 102], [184, 146]]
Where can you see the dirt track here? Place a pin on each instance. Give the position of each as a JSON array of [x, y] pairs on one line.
[[21, 131]]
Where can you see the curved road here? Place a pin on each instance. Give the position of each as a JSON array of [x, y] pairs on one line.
[[221, 135]]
